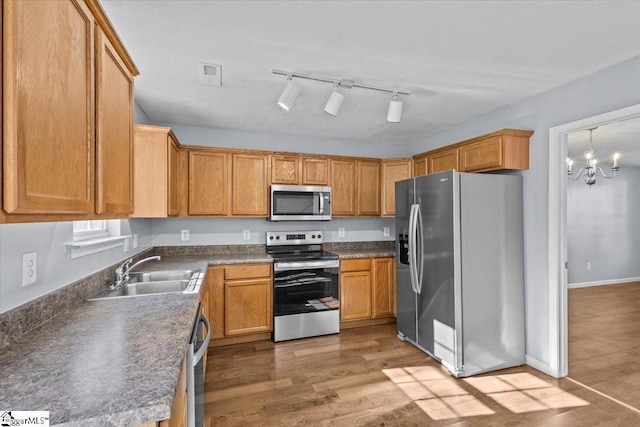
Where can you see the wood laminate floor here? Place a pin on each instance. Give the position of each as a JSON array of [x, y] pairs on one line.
[[367, 376], [604, 339]]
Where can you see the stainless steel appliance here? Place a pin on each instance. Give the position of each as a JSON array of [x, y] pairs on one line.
[[305, 285], [195, 370], [460, 292], [300, 203]]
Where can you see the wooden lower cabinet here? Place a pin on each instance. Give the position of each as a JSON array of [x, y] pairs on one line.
[[240, 300], [367, 288], [179, 407]]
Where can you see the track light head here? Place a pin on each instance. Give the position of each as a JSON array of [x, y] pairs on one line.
[[395, 109], [289, 95], [335, 101]]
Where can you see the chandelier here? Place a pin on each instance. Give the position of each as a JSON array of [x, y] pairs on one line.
[[591, 170]]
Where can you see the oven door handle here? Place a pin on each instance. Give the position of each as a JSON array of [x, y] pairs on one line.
[[305, 265], [205, 343]]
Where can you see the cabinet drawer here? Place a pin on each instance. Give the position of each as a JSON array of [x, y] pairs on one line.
[[247, 271], [359, 264]]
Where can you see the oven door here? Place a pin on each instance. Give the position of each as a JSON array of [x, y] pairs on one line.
[[306, 299], [300, 203]]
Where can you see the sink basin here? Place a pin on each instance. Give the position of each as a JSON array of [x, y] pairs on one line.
[[153, 283], [160, 275]]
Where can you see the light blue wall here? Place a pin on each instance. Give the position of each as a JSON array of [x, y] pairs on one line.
[[228, 231], [139, 116], [603, 228], [607, 90], [223, 138], [55, 269]]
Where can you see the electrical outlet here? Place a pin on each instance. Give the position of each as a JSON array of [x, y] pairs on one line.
[[386, 231], [246, 234], [341, 232], [126, 245], [588, 266], [184, 235], [29, 268], [135, 241]]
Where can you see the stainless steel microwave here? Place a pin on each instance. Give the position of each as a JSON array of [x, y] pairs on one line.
[[300, 203]]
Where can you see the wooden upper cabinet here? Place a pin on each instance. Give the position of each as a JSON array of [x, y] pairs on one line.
[[393, 170], [343, 187], [249, 194], [285, 170], [155, 152], [368, 188], [208, 183], [114, 130], [420, 166], [443, 160], [505, 149], [173, 185], [48, 105], [315, 171]]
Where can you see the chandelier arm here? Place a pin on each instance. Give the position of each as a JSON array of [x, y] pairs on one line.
[[613, 173], [578, 175]]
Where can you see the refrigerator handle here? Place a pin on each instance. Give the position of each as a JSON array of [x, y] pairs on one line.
[[411, 243], [414, 246], [419, 265]]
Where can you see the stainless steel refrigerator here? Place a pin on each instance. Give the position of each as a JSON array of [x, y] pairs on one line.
[[460, 275]]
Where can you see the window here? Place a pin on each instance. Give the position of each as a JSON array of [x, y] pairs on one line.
[[94, 236], [85, 230]]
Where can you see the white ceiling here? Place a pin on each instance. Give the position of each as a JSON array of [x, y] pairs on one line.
[[460, 59], [622, 136]]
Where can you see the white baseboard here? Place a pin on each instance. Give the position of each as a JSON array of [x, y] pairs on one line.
[[603, 282], [539, 365]]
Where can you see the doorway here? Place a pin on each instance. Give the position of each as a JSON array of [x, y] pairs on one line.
[[558, 291]]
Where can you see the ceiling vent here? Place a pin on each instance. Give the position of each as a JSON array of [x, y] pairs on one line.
[[210, 74]]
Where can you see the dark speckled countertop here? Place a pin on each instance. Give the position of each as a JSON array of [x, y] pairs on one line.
[[115, 362]]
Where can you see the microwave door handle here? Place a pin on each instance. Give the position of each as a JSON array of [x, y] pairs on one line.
[[321, 195]]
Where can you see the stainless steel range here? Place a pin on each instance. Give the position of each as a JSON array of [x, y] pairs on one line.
[[305, 285]]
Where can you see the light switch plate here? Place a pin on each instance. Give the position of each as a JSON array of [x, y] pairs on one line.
[[386, 231], [184, 235], [29, 268], [135, 240], [126, 244], [246, 234], [341, 232]]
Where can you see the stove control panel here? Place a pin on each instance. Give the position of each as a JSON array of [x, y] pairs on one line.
[[280, 238]]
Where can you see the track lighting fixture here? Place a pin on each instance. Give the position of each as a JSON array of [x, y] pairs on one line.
[[334, 103], [289, 94], [395, 109]]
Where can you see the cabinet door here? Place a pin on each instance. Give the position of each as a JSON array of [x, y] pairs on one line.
[[343, 187], [215, 284], [249, 194], [247, 306], [393, 171], [208, 183], [150, 173], [368, 188], [420, 166], [48, 91], [383, 289], [443, 161], [315, 171], [355, 295], [482, 155], [284, 170], [114, 130], [179, 407], [172, 176]]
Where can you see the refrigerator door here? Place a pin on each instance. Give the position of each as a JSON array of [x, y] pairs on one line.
[[405, 296], [437, 196]]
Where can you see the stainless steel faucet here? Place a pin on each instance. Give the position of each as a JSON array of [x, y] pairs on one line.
[[122, 272]]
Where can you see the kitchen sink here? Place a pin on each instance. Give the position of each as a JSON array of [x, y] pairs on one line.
[[161, 275], [153, 283]]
